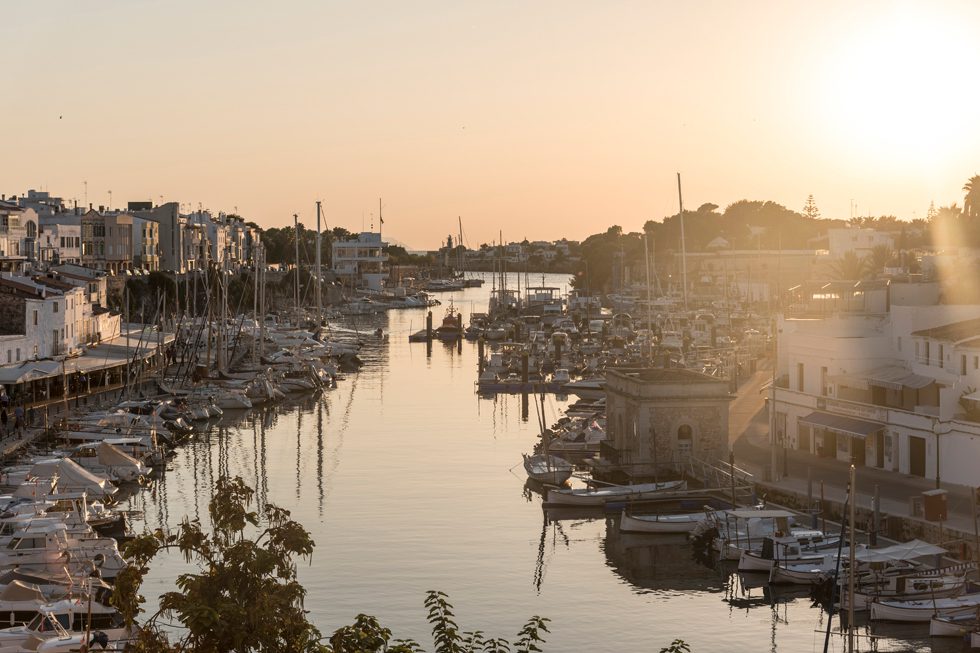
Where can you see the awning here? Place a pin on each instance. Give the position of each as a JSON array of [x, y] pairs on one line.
[[849, 425], [899, 552], [895, 378]]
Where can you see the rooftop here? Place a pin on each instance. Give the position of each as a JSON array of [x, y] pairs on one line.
[[668, 376], [955, 332]]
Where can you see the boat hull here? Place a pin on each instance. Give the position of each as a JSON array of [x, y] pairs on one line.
[[605, 496]]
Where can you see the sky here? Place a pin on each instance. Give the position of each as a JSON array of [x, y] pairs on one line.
[[540, 120]]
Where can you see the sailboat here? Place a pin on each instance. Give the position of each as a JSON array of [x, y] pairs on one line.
[[543, 467]]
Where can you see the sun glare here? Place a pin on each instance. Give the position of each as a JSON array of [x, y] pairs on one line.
[[899, 90]]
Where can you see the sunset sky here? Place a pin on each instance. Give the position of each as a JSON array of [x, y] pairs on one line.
[[540, 119]]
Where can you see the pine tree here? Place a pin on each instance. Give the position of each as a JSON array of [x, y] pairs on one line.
[[810, 209]]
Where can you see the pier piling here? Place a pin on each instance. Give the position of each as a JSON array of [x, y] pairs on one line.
[[428, 326], [479, 353]]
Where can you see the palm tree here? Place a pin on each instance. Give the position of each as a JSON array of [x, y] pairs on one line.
[[880, 256], [849, 267], [971, 203]]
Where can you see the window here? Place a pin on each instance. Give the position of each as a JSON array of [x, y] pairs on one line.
[[18, 354], [976, 362], [900, 343], [799, 377], [54, 307], [942, 359], [35, 318], [963, 364]]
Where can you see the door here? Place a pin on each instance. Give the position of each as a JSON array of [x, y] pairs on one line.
[[828, 447], [917, 456], [880, 449], [857, 450]]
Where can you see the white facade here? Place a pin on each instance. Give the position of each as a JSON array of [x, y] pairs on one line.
[[883, 386], [859, 241], [60, 240], [361, 261]]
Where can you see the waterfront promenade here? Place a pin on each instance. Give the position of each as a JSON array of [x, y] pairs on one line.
[[797, 473]]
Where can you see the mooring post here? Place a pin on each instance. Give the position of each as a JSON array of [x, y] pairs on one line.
[[428, 326], [479, 353]]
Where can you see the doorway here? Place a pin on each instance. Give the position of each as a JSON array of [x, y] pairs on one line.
[[917, 456]]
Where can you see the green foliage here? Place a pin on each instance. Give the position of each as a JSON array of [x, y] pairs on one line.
[[244, 595], [367, 635], [676, 646]]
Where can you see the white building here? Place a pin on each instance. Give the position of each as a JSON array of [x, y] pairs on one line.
[[60, 239], [857, 240], [882, 375], [361, 261]]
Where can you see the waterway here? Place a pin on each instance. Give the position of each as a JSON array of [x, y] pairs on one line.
[[410, 481]]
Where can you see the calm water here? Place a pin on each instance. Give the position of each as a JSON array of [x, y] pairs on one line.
[[409, 481]]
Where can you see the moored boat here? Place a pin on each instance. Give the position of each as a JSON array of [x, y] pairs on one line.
[[595, 497]]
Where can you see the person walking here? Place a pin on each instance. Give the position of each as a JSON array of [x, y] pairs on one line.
[[3, 421]]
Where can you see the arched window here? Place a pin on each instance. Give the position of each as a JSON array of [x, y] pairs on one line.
[[685, 441], [31, 229]]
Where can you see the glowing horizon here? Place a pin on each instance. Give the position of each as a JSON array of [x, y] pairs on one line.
[[540, 121]]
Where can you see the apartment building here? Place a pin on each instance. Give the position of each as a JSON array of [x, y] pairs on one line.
[[107, 241], [361, 261], [881, 374]]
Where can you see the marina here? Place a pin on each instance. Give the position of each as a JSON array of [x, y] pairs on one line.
[[385, 508]]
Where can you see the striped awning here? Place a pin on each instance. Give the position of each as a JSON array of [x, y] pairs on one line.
[[895, 378], [848, 425]]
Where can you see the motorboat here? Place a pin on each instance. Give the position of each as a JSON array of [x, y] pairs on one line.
[[921, 611], [662, 523]]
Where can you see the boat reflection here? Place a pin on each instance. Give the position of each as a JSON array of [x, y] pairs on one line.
[[661, 562]]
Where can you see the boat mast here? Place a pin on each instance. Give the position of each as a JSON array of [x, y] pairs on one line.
[[680, 201], [255, 303], [646, 255], [319, 271], [296, 238]]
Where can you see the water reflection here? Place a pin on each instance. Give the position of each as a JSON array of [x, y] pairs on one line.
[[661, 563], [408, 480]]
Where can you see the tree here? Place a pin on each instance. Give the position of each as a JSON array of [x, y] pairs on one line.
[[880, 256], [971, 203], [810, 210], [244, 595], [849, 267]]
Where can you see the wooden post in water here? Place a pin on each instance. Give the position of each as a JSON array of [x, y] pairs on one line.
[[875, 518], [479, 353], [851, 569], [524, 375], [428, 326], [823, 510], [731, 471]]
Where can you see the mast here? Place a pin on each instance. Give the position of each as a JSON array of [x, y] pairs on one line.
[[255, 304], [680, 201], [459, 244], [646, 255], [852, 570], [319, 270], [260, 264], [296, 238]]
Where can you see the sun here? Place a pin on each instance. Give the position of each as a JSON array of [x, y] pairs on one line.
[[900, 90]]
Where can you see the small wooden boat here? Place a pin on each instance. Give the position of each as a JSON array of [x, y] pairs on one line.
[[596, 497], [680, 523], [922, 611], [953, 626], [545, 468]]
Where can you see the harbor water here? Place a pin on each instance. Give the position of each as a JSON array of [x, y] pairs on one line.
[[410, 481]]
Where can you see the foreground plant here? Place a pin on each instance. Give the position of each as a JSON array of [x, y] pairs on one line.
[[244, 595]]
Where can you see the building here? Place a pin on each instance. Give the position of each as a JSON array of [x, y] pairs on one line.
[[60, 239], [146, 244], [361, 261], [18, 236], [880, 374], [658, 418], [107, 241], [857, 240], [753, 274]]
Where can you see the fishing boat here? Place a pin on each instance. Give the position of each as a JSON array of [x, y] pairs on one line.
[[921, 611], [958, 626], [451, 327], [803, 547], [601, 496], [545, 468], [681, 523]]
